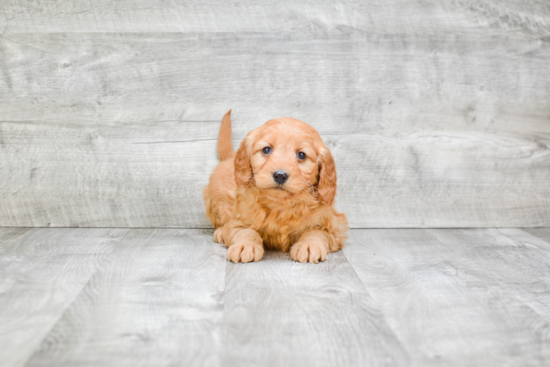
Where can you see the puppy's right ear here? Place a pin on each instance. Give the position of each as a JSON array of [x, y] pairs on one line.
[[243, 171]]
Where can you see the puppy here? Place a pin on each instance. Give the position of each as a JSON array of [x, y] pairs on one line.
[[277, 191]]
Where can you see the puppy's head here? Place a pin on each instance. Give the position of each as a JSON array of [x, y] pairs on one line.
[[284, 157]]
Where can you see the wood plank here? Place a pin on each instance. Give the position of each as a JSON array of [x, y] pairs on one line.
[[390, 16], [541, 233], [41, 272], [282, 313], [168, 297], [435, 290], [537, 237], [352, 81], [411, 180], [111, 180], [156, 302], [510, 257], [12, 237]]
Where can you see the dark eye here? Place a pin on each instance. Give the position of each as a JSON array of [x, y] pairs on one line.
[[301, 155], [266, 150]]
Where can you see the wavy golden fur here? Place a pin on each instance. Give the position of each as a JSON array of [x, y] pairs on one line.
[[251, 209]]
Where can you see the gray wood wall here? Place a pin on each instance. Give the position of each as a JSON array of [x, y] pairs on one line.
[[438, 114]]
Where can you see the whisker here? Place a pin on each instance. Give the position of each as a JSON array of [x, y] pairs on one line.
[[311, 186]]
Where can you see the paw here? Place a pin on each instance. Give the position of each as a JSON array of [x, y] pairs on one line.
[[308, 250], [245, 252], [218, 235]]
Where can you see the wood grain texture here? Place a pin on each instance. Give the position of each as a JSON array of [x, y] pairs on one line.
[[518, 262], [41, 272], [110, 178], [282, 313], [391, 16], [448, 294], [156, 302], [542, 233], [349, 83], [168, 297], [537, 237], [427, 130]]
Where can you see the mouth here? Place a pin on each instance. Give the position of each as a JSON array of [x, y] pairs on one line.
[[279, 187], [278, 191]]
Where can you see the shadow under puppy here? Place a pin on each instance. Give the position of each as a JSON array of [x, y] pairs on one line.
[[277, 191]]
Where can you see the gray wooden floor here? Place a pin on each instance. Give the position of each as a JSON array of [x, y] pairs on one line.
[[167, 297]]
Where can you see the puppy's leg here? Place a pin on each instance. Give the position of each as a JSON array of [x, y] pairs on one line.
[[218, 235], [245, 245], [313, 246], [221, 233]]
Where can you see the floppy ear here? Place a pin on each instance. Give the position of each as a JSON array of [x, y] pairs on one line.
[[243, 171], [327, 178]]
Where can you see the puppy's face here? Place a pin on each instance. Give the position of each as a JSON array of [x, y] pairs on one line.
[[285, 157]]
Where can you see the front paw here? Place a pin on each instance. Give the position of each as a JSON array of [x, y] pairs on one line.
[[218, 237], [245, 252], [308, 250]]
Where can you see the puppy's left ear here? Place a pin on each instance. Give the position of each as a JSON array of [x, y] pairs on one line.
[[327, 177]]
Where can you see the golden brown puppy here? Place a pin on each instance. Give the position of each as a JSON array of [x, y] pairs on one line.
[[277, 192]]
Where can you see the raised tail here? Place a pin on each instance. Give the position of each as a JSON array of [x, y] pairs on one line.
[[225, 143]]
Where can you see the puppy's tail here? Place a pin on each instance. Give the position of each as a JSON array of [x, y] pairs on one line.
[[225, 143]]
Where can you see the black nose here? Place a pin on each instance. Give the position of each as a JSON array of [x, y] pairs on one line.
[[280, 177]]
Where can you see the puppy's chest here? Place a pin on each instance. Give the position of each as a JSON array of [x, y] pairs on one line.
[[281, 227]]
